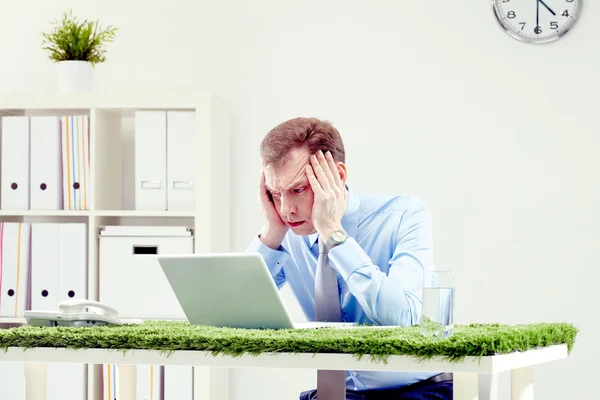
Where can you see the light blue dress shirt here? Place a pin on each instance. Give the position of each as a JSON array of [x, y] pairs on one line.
[[379, 270]]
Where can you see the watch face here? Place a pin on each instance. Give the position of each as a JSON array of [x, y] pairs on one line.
[[338, 236], [537, 21]]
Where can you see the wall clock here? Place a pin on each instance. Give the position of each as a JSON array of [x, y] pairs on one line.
[[537, 21]]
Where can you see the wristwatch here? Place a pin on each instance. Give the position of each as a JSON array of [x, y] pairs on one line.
[[337, 237]]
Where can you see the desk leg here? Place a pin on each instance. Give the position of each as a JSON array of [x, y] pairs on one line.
[[466, 386], [521, 384], [35, 381], [211, 383], [488, 386]]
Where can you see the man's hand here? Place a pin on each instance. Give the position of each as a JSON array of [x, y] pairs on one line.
[[330, 194], [274, 229]]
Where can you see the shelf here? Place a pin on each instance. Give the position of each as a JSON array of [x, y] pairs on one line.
[[118, 102], [44, 213], [98, 213], [9, 322], [144, 214], [112, 183]]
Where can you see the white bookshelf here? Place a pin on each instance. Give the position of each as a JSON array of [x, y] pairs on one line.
[[111, 179]]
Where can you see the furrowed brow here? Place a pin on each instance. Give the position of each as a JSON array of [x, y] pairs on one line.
[[302, 181], [299, 182]]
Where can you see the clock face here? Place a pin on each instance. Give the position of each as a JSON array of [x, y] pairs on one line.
[[537, 21]]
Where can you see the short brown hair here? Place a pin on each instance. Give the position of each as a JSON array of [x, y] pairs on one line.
[[311, 133]]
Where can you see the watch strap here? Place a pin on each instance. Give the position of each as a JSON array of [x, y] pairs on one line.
[[331, 242]]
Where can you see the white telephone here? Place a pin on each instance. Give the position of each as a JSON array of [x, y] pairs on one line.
[[77, 312]]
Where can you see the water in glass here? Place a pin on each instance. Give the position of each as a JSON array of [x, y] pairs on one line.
[[438, 305]]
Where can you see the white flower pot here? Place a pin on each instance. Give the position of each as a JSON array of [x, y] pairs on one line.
[[75, 76]]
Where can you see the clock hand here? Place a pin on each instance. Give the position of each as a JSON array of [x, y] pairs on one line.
[[537, 17], [546, 5]]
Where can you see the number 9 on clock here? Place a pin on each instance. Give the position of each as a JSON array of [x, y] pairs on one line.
[[537, 21]]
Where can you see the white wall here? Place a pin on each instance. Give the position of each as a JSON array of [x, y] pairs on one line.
[[498, 137]]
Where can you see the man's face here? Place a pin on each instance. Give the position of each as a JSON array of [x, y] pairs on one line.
[[291, 191]]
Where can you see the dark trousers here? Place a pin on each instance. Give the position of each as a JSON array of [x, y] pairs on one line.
[[423, 390]]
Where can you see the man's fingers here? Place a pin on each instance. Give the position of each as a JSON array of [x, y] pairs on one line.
[[316, 160], [335, 174], [314, 182], [329, 173]]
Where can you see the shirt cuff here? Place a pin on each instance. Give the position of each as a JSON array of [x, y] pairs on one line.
[[274, 258], [348, 257]]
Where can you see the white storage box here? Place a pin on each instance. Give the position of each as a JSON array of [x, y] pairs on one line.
[[131, 280]]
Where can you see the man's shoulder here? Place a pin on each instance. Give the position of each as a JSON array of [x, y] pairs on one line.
[[392, 216], [398, 204]]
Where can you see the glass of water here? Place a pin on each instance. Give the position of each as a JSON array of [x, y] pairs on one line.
[[437, 319]]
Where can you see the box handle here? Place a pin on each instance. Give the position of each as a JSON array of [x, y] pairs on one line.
[[151, 185], [144, 249], [187, 185]]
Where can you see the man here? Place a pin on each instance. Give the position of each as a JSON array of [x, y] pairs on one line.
[[377, 247]]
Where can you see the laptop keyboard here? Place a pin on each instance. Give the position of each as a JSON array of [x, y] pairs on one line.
[[317, 325]]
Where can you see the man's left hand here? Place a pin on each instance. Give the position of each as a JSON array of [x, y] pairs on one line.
[[330, 193]]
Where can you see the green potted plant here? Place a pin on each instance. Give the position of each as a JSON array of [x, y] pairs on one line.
[[76, 47]]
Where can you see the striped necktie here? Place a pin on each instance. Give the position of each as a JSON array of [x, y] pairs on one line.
[[331, 384]]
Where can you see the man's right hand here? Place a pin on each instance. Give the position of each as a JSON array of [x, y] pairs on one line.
[[274, 229]]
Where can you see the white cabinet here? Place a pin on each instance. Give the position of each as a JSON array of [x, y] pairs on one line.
[[131, 279]]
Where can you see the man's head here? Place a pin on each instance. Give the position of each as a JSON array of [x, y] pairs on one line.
[[285, 152]]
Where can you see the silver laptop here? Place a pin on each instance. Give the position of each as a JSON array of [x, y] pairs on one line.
[[230, 290]]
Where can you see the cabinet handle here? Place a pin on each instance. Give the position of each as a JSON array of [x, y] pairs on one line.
[[145, 249]]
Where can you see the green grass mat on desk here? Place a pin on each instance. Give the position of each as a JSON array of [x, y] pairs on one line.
[[468, 340]]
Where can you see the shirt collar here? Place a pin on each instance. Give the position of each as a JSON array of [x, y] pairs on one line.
[[350, 218]]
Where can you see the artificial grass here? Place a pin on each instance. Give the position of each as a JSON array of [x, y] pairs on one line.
[[475, 340]]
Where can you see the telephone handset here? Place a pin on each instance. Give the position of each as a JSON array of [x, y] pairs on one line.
[[84, 305], [77, 312]]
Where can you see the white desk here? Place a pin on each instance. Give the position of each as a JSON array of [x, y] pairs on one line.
[[466, 372]]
